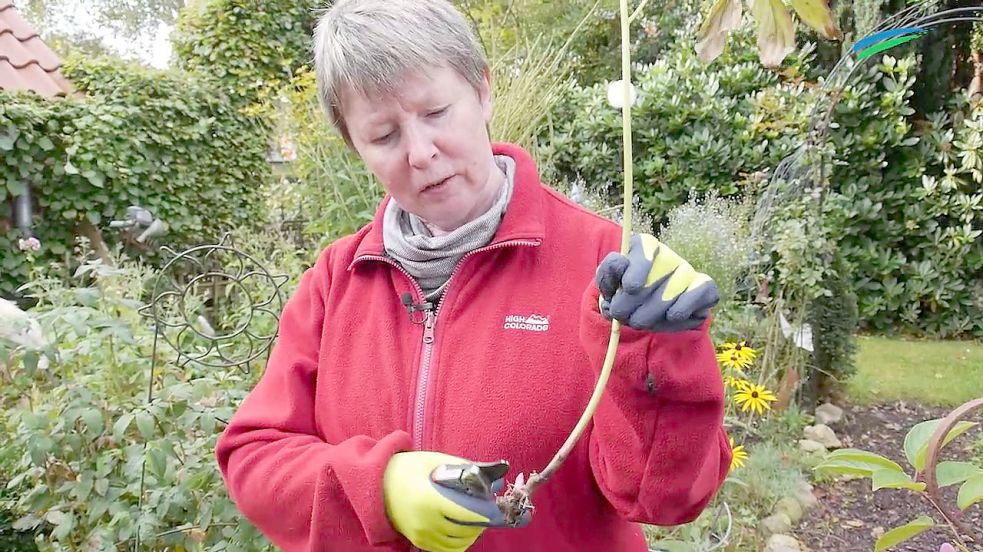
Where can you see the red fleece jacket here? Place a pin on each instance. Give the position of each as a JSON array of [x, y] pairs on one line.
[[517, 343]]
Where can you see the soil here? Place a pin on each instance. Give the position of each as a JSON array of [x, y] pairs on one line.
[[851, 518]]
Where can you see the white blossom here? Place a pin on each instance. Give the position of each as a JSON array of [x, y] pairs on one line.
[[32, 244]]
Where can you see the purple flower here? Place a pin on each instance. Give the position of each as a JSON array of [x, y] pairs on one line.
[[946, 547]]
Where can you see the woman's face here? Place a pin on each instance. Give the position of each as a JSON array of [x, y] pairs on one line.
[[428, 144]]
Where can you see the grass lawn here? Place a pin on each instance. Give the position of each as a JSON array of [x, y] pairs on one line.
[[941, 373]]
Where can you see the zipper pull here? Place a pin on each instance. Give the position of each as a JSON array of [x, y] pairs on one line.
[[428, 323]]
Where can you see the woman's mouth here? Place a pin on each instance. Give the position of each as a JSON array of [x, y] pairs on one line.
[[437, 186]]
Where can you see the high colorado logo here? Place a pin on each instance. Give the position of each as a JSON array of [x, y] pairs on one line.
[[531, 323]]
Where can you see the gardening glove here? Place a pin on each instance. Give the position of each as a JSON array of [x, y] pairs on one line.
[[653, 288], [434, 517]]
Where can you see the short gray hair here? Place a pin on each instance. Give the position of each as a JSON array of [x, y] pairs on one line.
[[365, 46]]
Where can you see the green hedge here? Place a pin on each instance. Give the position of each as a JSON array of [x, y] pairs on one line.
[[163, 140], [252, 47]]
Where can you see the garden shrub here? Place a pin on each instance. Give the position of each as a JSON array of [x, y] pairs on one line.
[[906, 207], [834, 319], [159, 139], [80, 430], [697, 129]]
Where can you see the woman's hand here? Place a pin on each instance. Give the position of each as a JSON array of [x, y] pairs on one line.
[[433, 517], [653, 288]]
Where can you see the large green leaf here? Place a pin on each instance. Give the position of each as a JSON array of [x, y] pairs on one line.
[[845, 467], [891, 479], [916, 441], [971, 492], [857, 462], [898, 535], [950, 473]]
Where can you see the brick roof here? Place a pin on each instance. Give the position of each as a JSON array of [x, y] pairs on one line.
[[26, 62]]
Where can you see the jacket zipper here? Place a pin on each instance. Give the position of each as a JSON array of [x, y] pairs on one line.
[[429, 332]]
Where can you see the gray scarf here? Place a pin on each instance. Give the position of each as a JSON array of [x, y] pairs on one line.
[[431, 259]]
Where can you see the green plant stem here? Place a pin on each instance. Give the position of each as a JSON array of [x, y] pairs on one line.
[[952, 527], [517, 500]]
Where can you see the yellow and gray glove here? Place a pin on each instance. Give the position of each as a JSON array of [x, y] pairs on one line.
[[653, 288], [442, 503]]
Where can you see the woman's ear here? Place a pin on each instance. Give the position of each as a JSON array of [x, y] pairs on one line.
[[485, 96]]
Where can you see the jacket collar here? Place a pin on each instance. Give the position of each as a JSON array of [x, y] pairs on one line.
[[523, 217]]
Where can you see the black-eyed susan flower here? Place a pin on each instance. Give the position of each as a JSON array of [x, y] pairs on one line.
[[735, 382], [738, 455], [736, 356], [754, 397]]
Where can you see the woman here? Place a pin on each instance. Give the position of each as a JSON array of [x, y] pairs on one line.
[[467, 322]]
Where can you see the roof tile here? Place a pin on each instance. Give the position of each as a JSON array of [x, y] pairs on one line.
[[26, 62]]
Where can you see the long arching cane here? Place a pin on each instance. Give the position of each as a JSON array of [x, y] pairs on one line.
[[517, 500]]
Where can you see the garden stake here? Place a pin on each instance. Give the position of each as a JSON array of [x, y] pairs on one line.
[[518, 499]]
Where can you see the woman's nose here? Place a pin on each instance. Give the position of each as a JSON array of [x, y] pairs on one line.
[[420, 148]]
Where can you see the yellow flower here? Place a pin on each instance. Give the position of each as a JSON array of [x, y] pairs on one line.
[[754, 397], [739, 455], [736, 355], [736, 383]]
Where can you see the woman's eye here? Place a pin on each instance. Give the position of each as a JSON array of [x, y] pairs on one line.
[[383, 139], [437, 112]]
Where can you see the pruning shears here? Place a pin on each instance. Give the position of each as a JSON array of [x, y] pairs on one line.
[[473, 485], [476, 479]]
